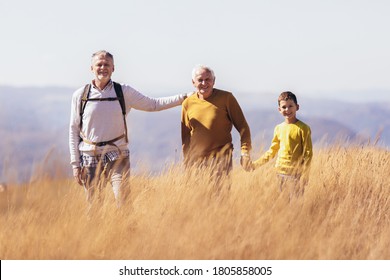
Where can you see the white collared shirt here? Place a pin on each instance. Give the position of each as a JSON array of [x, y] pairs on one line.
[[103, 120]]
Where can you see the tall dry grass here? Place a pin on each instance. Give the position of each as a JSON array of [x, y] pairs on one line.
[[344, 214]]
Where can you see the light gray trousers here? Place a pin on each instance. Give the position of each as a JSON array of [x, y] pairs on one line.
[[117, 172]]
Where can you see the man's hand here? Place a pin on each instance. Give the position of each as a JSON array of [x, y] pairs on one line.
[[186, 95], [77, 175], [246, 162]]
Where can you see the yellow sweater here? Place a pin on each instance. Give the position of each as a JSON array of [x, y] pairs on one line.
[[292, 143], [207, 124]]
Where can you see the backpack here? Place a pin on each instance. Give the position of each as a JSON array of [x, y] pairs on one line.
[[119, 96]]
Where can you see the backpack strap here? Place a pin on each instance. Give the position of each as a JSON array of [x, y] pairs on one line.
[[121, 99], [83, 102], [119, 96]]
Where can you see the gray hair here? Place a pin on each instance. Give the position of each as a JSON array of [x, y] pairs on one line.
[[104, 53], [202, 67]]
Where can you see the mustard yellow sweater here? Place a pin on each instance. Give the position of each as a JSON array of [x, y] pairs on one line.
[[207, 124], [292, 143]]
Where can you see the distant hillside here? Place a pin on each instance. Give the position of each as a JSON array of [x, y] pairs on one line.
[[34, 121]]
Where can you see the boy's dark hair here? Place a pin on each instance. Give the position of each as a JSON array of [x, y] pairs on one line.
[[287, 95]]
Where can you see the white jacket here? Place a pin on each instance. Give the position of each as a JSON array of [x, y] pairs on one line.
[[103, 120]]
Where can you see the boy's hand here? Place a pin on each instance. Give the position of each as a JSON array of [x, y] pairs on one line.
[[246, 162]]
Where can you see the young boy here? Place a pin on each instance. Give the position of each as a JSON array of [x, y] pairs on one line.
[[292, 143]]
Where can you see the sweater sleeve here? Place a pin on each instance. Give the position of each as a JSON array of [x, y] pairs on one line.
[[238, 119], [307, 149], [185, 132], [74, 129], [271, 153]]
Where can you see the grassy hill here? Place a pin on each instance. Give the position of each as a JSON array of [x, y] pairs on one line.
[[342, 215]]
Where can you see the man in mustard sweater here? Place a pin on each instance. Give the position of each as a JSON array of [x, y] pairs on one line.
[[292, 143], [207, 119]]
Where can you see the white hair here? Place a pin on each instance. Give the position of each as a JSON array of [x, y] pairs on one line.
[[202, 67]]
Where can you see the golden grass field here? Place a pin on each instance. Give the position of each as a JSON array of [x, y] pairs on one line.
[[344, 214]]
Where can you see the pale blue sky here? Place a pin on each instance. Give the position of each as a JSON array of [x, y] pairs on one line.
[[252, 45]]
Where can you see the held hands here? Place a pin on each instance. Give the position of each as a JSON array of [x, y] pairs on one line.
[[246, 162]]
